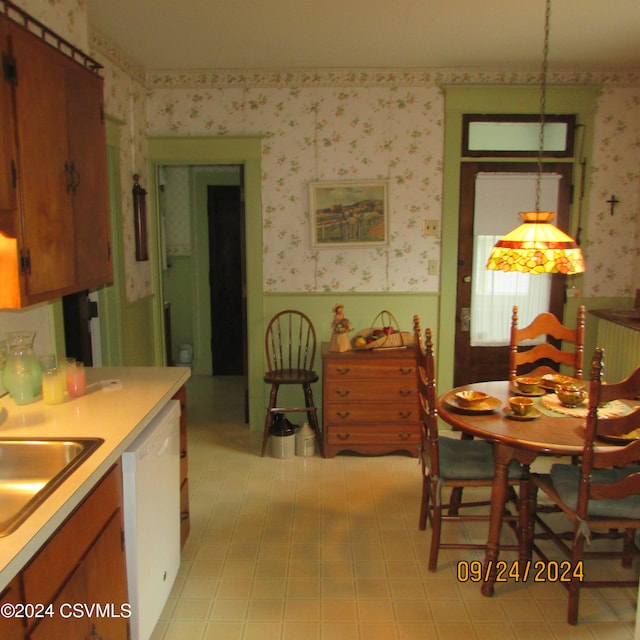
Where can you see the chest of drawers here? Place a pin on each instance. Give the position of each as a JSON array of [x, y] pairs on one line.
[[370, 402]]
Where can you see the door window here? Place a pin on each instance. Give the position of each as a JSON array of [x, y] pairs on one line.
[[498, 198]]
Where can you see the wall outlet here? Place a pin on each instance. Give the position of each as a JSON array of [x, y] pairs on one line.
[[431, 228], [432, 267]]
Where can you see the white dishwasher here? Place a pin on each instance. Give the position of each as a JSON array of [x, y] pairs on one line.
[[151, 487]]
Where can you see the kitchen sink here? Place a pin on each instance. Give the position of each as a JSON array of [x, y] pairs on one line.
[[30, 470]]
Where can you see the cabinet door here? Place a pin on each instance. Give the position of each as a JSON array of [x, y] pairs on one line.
[[107, 583], [44, 174], [65, 621], [11, 628], [88, 155], [7, 138]]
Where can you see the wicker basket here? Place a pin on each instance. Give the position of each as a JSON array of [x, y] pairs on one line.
[[396, 340]]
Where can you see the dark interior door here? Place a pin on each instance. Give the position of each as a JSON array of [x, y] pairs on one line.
[[473, 363], [226, 259]]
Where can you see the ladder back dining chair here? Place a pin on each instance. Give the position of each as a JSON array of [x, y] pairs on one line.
[[601, 496], [449, 463], [546, 353]]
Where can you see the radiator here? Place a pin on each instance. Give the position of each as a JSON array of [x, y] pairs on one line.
[[621, 350]]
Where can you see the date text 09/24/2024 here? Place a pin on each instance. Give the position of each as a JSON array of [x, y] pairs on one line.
[[539, 571]]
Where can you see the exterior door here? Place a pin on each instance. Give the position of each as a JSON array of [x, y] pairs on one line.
[[485, 188]]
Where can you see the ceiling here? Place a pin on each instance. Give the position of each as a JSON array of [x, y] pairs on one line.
[[295, 34]]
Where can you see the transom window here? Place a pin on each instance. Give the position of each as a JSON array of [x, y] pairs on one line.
[[517, 135]]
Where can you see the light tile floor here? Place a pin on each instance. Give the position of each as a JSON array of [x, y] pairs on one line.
[[329, 549]]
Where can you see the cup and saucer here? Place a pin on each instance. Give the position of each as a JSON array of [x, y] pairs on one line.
[[528, 386], [521, 408]]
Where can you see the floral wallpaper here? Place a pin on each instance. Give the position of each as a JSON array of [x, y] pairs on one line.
[[612, 248], [389, 125], [124, 86]]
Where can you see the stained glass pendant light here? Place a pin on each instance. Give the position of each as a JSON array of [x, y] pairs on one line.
[[537, 246]]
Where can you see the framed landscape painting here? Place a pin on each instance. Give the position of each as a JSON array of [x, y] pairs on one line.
[[349, 214]]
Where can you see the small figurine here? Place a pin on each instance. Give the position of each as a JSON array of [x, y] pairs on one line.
[[340, 324], [341, 327]]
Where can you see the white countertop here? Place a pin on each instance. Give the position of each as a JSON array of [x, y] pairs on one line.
[[115, 415]]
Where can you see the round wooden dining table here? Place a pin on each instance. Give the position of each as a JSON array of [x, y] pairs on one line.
[[549, 433]]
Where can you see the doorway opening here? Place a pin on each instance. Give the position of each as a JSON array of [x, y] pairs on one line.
[[204, 275]]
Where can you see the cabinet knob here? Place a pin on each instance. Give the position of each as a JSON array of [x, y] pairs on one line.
[[404, 414], [405, 393], [406, 370], [343, 393], [343, 436], [343, 414], [404, 436], [343, 370]]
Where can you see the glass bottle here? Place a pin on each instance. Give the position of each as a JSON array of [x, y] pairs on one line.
[[22, 375]]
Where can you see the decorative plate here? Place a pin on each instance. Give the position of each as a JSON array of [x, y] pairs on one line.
[[532, 415], [534, 394], [554, 380], [487, 406]]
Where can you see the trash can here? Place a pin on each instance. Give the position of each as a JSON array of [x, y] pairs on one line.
[[282, 437], [185, 355]]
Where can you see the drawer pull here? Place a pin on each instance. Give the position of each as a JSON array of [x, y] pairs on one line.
[[343, 414], [405, 393], [343, 436], [404, 414], [343, 393], [406, 370], [343, 370], [404, 436]]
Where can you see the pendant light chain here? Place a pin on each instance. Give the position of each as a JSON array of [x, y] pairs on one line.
[[543, 100]]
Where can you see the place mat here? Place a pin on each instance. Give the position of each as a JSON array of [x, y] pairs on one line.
[[551, 406]]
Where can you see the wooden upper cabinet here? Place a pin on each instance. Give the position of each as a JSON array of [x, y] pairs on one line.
[[85, 113], [63, 226], [46, 214], [8, 191]]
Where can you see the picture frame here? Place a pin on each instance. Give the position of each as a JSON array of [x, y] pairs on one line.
[[349, 214]]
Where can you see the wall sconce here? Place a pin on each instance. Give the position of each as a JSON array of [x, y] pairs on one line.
[[140, 219]]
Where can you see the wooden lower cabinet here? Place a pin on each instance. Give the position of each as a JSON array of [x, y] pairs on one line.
[[185, 519], [80, 572], [370, 402], [11, 627]]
